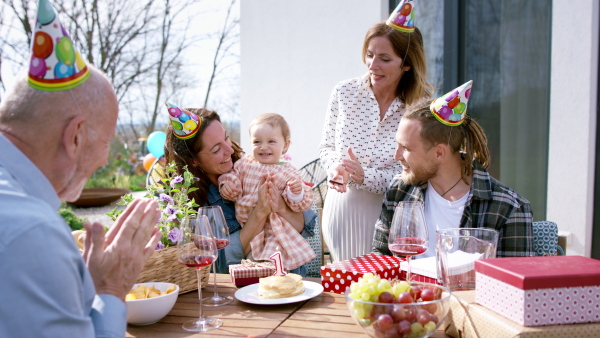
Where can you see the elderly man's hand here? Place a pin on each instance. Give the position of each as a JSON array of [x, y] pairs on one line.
[[115, 260]]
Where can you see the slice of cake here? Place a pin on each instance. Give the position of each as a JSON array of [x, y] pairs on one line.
[[281, 286]]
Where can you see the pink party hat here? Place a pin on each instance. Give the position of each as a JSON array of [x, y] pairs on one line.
[[451, 108], [55, 63], [185, 124], [403, 17]]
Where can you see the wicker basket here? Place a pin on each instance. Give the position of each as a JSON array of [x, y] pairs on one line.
[[163, 266]]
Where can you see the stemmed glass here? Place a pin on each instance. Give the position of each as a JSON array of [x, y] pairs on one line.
[[196, 250], [221, 233], [408, 231]]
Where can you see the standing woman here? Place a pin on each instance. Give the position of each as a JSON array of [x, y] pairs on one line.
[[358, 141]]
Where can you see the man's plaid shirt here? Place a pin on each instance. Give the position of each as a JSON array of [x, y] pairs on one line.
[[490, 204]]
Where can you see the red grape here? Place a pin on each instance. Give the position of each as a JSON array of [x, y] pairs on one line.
[[415, 292], [385, 322], [410, 313], [392, 333], [404, 298], [427, 295], [386, 297], [403, 327], [423, 316], [398, 313], [431, 308], [434, 318]]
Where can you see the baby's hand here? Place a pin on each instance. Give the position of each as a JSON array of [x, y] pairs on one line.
[[295, 186], [228, 190]]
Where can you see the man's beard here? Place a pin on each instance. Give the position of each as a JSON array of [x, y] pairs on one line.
[[420, 174]]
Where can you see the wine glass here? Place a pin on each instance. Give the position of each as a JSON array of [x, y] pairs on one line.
[[196, 250], [221, 232], [408, 231]]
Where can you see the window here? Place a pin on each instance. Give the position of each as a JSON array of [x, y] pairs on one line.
[[504, 47]]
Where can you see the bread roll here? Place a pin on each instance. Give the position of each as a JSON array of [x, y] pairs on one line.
[[281, 286]]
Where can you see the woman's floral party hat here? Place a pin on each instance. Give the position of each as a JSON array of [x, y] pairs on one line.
[[403, 17], [185, 124], [55, 63], [451, 109]]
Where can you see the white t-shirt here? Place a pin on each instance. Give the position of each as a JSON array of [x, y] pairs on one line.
[[440, 214]]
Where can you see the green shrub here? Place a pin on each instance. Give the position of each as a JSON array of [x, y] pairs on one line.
[[76, 223]]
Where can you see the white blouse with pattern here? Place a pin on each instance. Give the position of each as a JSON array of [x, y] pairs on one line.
[[353, 121]]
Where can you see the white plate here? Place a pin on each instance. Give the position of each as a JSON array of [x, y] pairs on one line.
[[249, 294]]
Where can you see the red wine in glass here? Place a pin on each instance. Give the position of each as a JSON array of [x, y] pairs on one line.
[[221, 235], [222, 243], [408, 246], [408, 231], [196, 249], [197, 261]]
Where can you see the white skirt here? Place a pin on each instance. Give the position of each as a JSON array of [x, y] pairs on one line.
[[349, 222]]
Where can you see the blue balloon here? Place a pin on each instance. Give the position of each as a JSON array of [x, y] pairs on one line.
[[156, 143]]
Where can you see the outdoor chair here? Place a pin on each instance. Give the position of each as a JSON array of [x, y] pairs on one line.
[[545, 237], [315, 176], [315, 241]]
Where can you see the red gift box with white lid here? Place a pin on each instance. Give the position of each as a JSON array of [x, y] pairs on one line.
[[546, 290], [336, 277]]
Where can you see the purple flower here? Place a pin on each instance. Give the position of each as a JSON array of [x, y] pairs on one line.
[[286, 157], [159, 246], [175, 235], [166, 198], [175, 180]]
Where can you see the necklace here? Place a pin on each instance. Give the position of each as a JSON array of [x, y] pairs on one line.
[[452, 187]]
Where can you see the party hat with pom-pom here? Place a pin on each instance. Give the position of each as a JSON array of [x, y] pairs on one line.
[[55, 64]]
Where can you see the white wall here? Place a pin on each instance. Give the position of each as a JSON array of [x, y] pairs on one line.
[[574, 81], [292, 55]]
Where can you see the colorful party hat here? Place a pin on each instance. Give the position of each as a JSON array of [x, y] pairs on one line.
[[451, 108], [55, 64], [185, 124], [403, 17]]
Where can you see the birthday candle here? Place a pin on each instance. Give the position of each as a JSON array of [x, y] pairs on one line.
[[276, 258]]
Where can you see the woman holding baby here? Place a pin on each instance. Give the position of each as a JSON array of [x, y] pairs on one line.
[[209, 153]]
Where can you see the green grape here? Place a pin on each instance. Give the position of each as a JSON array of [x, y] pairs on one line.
[[396, 290], [363, 288], [404, 286], [367, 307], [384, 286], [374, 298], [416, 328], [359, 313], [365, 296], [372, 290], [368, 276], [429, 327], [354, 287]]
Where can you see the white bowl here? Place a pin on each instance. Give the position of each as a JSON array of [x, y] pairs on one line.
[[151, 310]]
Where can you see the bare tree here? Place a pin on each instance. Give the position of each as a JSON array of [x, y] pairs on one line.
[[227, 38]]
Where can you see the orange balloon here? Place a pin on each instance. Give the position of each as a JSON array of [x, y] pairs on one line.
[[148, 160]]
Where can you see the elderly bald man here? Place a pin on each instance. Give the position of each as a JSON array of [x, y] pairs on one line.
[[50, 144]]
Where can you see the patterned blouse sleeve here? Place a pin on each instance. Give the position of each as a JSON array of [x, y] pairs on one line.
[[378, 181], [329, 156]]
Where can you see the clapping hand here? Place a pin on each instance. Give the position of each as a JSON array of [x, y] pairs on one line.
[[295, 186], [116, 258]]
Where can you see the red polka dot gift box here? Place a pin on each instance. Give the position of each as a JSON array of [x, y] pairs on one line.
[[336, 277], [546, 290]]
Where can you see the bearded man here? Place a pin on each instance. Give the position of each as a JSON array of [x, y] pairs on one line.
[[444, 155]]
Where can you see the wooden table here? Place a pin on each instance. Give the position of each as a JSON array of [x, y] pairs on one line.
[[323, 316]]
